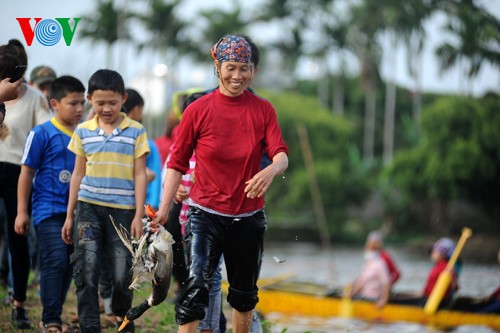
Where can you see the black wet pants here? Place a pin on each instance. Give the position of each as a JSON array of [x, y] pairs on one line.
[[241, 241]]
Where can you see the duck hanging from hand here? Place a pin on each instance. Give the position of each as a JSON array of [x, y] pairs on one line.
[[152, 261]]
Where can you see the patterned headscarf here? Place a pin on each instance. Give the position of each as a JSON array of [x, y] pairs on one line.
[[232, 48]]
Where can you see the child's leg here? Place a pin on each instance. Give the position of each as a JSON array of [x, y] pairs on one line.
[[211, 322], [55, 268], [121, 261], [88, 239]]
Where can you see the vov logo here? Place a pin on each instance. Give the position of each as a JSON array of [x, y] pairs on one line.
[[48, 32]]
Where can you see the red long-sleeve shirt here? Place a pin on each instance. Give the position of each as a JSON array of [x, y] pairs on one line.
[[229, 135], [433, 276]]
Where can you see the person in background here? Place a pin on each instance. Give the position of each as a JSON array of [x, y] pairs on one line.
[[8, 90], [492, 303], [177, 216], [133, 108], [227, 199], [28, 110], [109, 179], [441, 253], [375, 240], [40, 78], [46, 170], [374, 282], [164, 142]]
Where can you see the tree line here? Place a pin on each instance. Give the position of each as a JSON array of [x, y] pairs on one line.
[[414, 158]]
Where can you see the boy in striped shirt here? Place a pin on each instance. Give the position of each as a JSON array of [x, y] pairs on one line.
[[109, 179]]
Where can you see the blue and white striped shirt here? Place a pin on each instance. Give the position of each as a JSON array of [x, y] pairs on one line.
[[109, 175]]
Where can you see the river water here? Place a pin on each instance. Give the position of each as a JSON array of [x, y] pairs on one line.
[[341, 265]]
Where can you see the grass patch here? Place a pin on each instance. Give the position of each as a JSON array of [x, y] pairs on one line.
[[160, 318], [157, 319]]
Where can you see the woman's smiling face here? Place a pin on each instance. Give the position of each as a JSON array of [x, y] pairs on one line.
[[234, 77]]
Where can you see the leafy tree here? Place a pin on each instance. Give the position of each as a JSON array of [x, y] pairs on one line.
[[341, 179], [457, 158]]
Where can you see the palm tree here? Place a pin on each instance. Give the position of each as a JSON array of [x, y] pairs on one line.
[[294, 18], [403, 21], [478, 38], [107, 24], [332, 41], [214, 24], [362, 39], [165, 28]]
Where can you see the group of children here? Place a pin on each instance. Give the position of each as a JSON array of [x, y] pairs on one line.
[[68, 179], [81, 177], [73, 174]]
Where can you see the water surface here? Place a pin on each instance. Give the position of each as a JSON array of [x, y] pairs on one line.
[[341, 265]]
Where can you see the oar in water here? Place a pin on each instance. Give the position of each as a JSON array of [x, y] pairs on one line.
[[346, 304], [445, 277]]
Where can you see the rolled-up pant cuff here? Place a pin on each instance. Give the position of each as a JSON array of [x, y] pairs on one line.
[[242, 301], [184, 315]]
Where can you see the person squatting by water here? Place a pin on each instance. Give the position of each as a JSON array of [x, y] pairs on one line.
[[228, 129]]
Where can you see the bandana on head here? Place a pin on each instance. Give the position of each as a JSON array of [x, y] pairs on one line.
[[232, 48]]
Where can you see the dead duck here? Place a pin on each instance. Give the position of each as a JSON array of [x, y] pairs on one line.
[[152, 261]]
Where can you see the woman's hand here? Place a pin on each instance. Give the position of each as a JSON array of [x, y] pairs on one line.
[[258, 185], [136, 228]]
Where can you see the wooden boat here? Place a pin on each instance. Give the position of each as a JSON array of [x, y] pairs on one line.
[[304, 299]]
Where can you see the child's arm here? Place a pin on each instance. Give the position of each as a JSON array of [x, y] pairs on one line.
[[74, 187], [24, 187], [140, 183]]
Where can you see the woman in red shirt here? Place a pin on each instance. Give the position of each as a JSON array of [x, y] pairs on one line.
[[441, 253], [228, 129]]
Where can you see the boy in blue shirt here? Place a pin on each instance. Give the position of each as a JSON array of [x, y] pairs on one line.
[[46, 170], [109, 178]]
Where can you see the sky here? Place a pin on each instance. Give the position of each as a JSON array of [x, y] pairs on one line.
[[82, 58]]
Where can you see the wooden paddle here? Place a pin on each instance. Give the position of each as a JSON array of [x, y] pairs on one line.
[[346, 310], [445, 277]]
